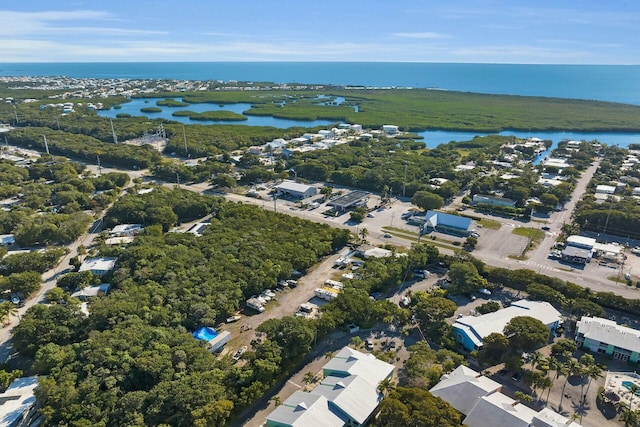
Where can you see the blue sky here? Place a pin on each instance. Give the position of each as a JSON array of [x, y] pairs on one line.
[[487, 31]]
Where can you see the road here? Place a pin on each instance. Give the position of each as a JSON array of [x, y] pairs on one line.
[[50, 277]]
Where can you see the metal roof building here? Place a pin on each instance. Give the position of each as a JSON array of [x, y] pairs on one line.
[[481, 400], [99, 266], [294, 189], [350, 200], [447, 223], [463, 387], [348, 394], [470, 330]]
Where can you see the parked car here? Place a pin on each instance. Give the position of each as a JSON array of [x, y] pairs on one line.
[[387, 236], [484, 291], [368, 344], [636, 250], [370, 215], [545, 228], [516, 377]]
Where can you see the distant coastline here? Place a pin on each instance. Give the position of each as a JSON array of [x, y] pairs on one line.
[[614, 83]]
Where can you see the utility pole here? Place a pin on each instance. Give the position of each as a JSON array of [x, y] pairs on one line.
[[113, 132], [58, 122], [15, 113], [99, 166], [404, 182], [178, 178], [275, 198], [184, 134], [606, 222], [46, 146]]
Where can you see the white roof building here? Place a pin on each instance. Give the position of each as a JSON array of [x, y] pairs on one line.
[[99, 266], [605, 189], [126, 229], [348, 394], [549, 418], [294, 189], [596, 333], [17, 401], [470, 330], [481, 400], [581, 242], [463, 387], [499, 410]]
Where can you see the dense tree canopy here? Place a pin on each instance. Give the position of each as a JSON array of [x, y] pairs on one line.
[[413, 406], [526, 333]]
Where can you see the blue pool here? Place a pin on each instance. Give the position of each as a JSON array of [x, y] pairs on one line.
[[205, 333], [628, 384]]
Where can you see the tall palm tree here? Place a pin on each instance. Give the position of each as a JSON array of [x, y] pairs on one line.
[[561, 371], [329, 354], [535, 359], [629, 417], [572, 368], [276, 400], [364, 233], [386, 386], [593, 372]]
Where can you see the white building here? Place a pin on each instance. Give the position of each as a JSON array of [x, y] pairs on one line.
[[99, 266], [470, 330], [463, 387], [481, 400], [605, 189], [347, 396], [17, 403], [607, 337], [126, 230], [294, 189], [390, 129]]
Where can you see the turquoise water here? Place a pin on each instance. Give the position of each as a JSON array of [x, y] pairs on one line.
[[628, 385], [205, 334], [616, 83], [433, 138], [135, 105]]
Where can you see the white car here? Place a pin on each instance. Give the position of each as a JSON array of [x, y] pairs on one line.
[[636, 250], [484, 291], [370, 215]]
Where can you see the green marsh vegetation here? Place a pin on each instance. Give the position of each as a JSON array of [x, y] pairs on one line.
[[210, 115]]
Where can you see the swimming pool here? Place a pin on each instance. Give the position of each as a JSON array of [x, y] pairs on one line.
[[628, 385], [205, 333]]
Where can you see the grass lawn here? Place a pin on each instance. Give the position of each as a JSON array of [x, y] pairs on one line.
[[491, 224]]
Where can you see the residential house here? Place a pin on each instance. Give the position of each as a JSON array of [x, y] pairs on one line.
[[607, 337], [470, 330], [348, 395]]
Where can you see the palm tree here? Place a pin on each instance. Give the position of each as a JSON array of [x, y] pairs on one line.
[[535, 358], [356, 342], [308, 378], [7, 309], [634, 390], [593, 372], [329, 355], [572, 367], [561, 371], [276, 400], [364, 233], [629, 417], [386, 386]]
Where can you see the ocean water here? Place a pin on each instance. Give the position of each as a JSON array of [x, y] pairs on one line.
[[612, 83], [615, 83]]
